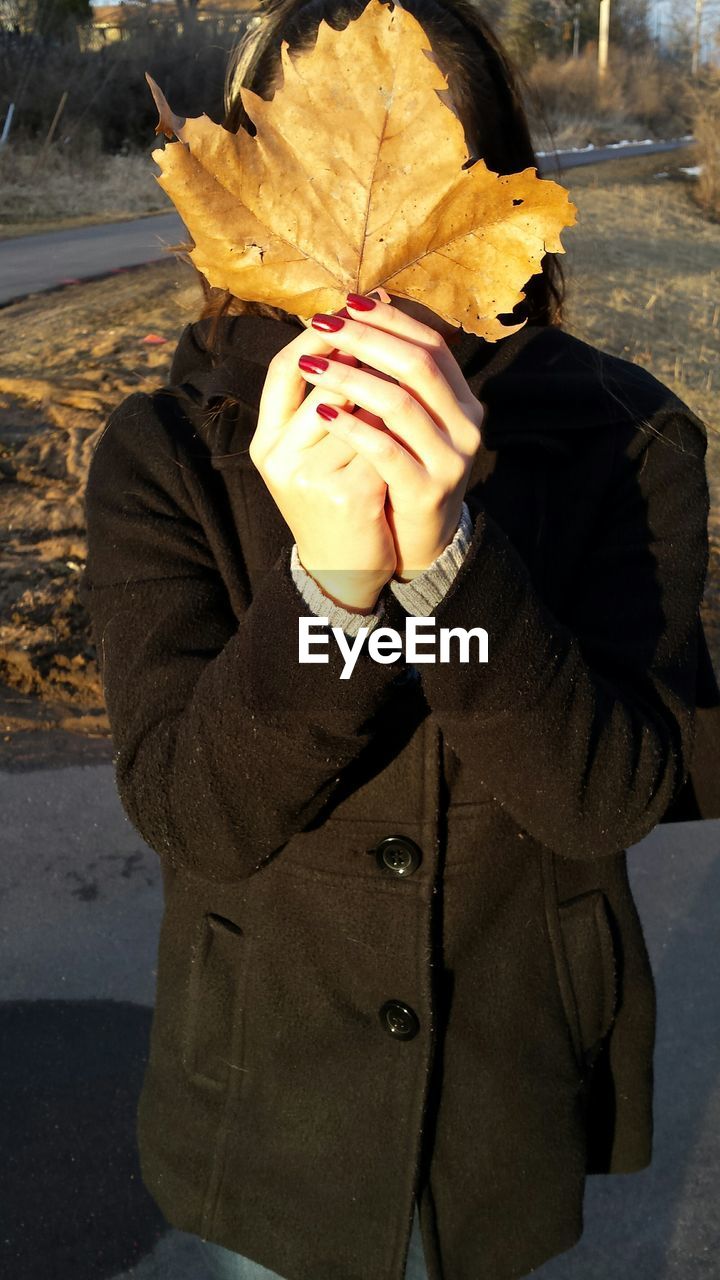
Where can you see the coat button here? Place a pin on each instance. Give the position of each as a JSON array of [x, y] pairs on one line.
[[398, 854], [399, 1020]]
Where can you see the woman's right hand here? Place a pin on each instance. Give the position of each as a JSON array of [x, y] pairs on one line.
[[332, 499]]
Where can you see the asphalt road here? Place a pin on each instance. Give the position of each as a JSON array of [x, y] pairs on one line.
[[35, 263], [81, 905]]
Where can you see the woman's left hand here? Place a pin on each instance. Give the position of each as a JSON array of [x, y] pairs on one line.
[[417, 422]]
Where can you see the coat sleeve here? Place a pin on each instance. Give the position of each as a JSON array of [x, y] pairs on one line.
[[582, 728], [225, 744]]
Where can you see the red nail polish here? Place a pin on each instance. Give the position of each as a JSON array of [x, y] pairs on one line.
[[326, 411], [325, 322], [360, 302], [312, 364]]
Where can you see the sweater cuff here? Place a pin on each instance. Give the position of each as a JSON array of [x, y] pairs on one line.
[[421, 595], [323, 607]]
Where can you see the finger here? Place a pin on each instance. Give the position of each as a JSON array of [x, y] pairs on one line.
[[330, 454], [392, 462], [403, 416], [342, 358], [416, 368], [333, 454], [391, 320], [285, 387], [306, 428]]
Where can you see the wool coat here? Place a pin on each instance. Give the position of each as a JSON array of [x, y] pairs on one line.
[[399, 955]]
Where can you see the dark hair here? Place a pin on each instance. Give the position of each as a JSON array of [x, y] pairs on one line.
[[482, 82]]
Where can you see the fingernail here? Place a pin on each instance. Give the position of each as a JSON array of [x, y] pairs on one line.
[[326, 411], [360, 302], [325, 322], [312, 364]]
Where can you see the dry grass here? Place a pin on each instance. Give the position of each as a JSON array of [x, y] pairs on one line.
[[69, 190], [706, 128], [640, 97], [645, 273]]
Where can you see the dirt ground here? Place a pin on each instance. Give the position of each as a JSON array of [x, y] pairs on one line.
[[66, 360], [644, 283]]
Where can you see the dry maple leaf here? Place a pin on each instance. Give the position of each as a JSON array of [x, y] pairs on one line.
[[354, 180]]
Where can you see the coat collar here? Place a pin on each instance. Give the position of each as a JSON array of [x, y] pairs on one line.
[[540, 386]]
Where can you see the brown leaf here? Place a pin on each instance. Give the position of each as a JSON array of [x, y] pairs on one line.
[[355, 180]]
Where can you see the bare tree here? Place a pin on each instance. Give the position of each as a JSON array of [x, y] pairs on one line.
[[56, 19]]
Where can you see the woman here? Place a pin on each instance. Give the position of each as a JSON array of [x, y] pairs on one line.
[[402, 984]]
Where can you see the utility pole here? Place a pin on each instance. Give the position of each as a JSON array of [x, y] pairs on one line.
[[697, 39], [49, 135], [6, 126], [604, 37], [576, 31]]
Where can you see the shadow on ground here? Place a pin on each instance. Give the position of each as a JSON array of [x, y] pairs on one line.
[[70, 1079]]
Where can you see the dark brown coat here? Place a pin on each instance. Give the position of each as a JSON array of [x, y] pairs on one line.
[[467, 1014]]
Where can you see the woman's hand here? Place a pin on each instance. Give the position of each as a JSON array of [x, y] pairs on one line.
[[332, 498], [419, 424]]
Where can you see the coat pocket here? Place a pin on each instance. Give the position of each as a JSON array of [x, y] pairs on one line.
[[212, 1042], [590, 957]]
